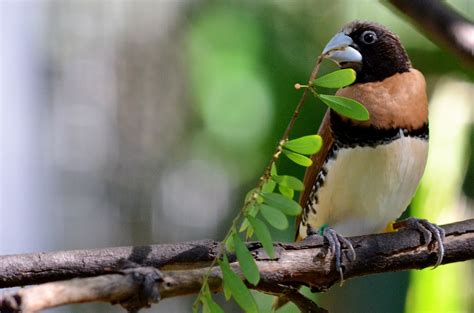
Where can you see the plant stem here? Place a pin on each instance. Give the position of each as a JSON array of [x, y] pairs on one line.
[[263, 179]]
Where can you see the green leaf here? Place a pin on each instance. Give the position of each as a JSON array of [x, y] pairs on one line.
[[243, 227], [289, 181], [250, 211], [298, 158], [229, 244], [249, 233], [246, 227], [336, 79], [208, 303], [273, 171], [246, 261], [227, 293], [212, 307], [305, 145], [205, 290], [287, 206], [346, 107], [269, 186], [274, 217], [239, 291], [287, 192], [263, 234]]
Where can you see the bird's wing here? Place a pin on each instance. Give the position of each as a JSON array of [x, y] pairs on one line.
[[318, 162]]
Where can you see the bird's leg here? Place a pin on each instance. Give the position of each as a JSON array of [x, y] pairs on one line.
[[336, 242], [431, 233]]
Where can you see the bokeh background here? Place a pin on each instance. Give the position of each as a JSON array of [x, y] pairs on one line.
[[137, 122]]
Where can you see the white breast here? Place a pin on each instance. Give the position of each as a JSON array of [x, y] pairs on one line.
[[367, 187]]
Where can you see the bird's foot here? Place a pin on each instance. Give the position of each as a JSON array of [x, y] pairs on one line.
[[432, 233], [336, 244]]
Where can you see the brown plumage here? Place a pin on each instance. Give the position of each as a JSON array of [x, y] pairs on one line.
[[399, 101]]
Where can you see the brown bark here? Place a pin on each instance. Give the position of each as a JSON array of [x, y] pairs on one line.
[[183, 265], [442, 24]]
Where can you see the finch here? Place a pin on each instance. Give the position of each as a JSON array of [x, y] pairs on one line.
[[367, 172]]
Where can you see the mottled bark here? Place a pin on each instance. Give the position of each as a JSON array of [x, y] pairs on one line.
[[182, 266]]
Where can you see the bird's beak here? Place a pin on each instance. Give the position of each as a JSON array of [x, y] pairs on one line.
[[340, 51]]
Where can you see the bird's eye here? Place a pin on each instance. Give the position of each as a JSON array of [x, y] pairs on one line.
[[368, 37]]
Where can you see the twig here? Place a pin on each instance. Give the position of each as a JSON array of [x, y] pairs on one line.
[[292, 294], [442, 24], [263, 179]]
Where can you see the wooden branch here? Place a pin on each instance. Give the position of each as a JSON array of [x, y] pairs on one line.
[[442, 24], [133, 289], [305, 263], [35, 268]]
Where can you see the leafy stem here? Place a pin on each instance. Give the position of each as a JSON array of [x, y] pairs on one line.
[[258, 189], [274, 207]]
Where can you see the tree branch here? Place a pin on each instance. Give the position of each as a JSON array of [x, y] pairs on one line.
[[442, 24], [183, 265], [35, 268]]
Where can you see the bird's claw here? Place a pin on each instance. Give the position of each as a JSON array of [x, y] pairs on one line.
[[336, 243], [431, 233]]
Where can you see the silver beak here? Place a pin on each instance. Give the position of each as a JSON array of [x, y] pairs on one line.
[[339, 50]]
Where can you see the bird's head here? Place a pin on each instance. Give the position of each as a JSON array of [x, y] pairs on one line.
[[372, 50]]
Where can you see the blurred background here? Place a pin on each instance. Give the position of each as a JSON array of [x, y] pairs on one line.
[[136, 122]]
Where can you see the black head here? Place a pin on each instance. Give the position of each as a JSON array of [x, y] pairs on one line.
[[381, 52]]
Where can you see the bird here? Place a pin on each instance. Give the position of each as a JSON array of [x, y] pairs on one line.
[[367, 172]]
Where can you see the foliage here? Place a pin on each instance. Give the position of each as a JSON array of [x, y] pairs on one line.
[[263, 205]]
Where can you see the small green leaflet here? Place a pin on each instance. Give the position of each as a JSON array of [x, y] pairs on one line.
[[287, 206], [263, 234], [205, 307], [298, 158], [245, 226], [210, 306], [208, 303], [251, 211], [239, 291], [246, 261], [227, 293], [336, 79], [273, 171], [305, 145], [287, 192], [346, 107], [274, 217], [269, 186], [229, 244], [289, 181]]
